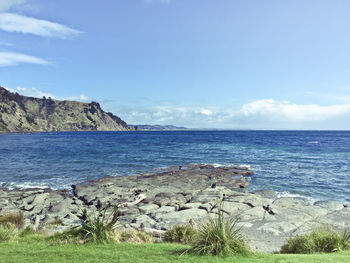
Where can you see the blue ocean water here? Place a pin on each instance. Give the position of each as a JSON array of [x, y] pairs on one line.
[[315, 164]]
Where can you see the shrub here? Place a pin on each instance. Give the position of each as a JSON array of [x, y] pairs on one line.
[[98, 227], [8, 232], [219, 237], [325, 241], [180, 234], [12, 218]]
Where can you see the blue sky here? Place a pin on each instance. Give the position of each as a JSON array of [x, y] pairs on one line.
[[197, 63]]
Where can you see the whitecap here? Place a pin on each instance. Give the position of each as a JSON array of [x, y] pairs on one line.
[[309, 199]]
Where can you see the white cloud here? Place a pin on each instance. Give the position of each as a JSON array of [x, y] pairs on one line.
[[8, 4], [13, 59], [260, 114], [33, 92], [81, 97], [23, 24], [293, 112]]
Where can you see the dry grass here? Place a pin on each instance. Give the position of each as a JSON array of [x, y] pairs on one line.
[[12, 218], [133, 236]]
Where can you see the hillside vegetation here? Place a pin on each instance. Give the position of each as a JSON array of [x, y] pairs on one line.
[[26, 114]]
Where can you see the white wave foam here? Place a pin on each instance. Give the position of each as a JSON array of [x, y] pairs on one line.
[[309, 199], [216, 165], [248, 166], [245, 166], [313, 142], [27, 185]]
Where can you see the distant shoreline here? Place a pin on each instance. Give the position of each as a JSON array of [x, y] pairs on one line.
[[187, 129]]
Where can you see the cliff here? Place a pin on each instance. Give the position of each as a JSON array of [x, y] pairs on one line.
[[26, 114]]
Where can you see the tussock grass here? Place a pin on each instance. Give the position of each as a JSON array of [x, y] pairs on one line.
[[220, 237], [13, 219], [99, 226], [319, 241], [182, 234]]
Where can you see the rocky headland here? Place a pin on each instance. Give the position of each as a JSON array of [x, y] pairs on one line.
[[26, 114], [157, 201]]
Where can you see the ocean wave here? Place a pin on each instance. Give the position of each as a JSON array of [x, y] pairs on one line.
[[309, 199], [313, 142], [27, 185], [248, 166]]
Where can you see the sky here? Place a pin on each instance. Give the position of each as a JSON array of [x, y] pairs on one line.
[[228, 64]]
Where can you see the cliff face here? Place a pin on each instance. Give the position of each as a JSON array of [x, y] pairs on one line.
[[26, 114]]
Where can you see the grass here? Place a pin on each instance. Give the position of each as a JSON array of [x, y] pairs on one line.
[[219, 236], [319, 241], [99, 227], [8, 233], [133, 236], [182, 234], [13, 219], [41, 251]]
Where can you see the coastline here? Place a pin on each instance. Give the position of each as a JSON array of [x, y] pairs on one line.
[[175, 196]]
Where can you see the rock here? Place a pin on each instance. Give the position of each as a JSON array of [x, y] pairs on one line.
[[162, 210], [190, 206], [143, 221], [145, 209], [290, 202], [266, 194], [179, 218], [175, 196], [329, 205]]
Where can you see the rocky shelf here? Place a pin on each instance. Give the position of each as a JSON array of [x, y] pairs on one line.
[[155, 202]]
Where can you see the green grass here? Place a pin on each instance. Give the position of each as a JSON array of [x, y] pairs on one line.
[[219, 236], [325, 240], [41, 251]]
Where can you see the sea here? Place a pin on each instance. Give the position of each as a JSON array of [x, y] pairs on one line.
[[312, 164]]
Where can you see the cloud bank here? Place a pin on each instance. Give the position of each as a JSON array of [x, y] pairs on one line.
[[259, 114], [28, 25], [293, 112], [13, 59]]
